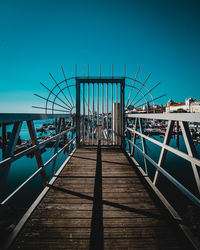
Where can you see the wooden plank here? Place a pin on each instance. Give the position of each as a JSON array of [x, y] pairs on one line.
[[131, 219]]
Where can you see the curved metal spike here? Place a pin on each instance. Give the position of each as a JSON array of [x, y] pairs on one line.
[[132, 86], [151, 100], [48, 109], [60, 89], [67, 84], [140, 92], [146, 93], [141, 84], [51, 101], [141, 88], [56, 96], [51, 92]]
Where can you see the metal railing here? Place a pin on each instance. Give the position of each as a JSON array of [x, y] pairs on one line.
[[177, 124], [99, 106], [62, 129]]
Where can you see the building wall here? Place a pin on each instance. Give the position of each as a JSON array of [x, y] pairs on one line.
[[175, 108], [192, 107], [195, 108]]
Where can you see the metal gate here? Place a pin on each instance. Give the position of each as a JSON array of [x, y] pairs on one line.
[[100, 110]]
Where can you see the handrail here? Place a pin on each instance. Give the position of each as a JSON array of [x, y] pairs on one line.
[[189, 194], [32, 148], [9, 150], [35, 174], [187, 117], [18, 117], [169, 148], [138, 131]]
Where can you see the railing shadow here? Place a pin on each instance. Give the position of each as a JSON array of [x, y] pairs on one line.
[[109, 203], [97, 233], [112, 162]]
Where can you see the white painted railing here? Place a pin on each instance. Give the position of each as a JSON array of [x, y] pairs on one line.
[[10, 155], [137, 131]]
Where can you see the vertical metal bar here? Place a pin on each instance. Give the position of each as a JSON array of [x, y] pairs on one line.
[[102, 125], [83, 113], [121, 120], [93, 113], [9, 153], [55, 124], [88, 113], [38, 157], [134, 137], [116, 135], [107, 114], [4, 140], [65, 135], [191, 150], [97, 112], [143, 145], [163, 152], [56, 145], [77, 113], [72, 135], [81, 118], [129, 138], [13, 139], [88, 106], [112, 112], [122, 113], [177, 134]]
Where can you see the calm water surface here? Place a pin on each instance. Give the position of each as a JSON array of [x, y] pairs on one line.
[[25, 167]]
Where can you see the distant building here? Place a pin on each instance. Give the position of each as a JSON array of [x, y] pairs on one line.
[[190, 105], [146, 109], [195, 107]]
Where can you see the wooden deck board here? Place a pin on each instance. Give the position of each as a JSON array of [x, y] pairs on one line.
[[130, 218]]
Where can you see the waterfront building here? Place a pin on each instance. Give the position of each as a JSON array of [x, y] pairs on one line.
[[146, 109], [190, 105]]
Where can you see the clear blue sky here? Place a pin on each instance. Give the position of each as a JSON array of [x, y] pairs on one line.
[[37, 37]]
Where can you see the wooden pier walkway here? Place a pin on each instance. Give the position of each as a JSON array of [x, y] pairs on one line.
[[98, 202]]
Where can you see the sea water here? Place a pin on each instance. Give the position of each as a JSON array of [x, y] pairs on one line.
[[176, 166], [24, 167]]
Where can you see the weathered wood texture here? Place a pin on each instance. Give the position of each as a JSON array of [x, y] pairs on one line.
[[97, 203]]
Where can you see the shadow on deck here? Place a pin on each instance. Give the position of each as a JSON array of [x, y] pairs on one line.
[[98, 202]]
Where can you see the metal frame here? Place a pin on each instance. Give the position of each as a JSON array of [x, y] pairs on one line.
[[192, 156], [37, 151], [177, 219], [9, 152], [28, 213], [11, 157], [181, 119], [96, 81]]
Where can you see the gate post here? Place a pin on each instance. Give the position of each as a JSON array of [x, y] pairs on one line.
[[77, 112], [116, 123], [122, 85]]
